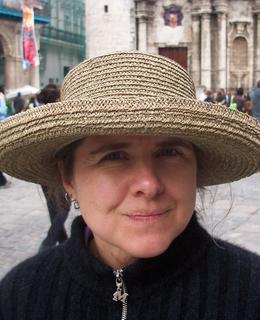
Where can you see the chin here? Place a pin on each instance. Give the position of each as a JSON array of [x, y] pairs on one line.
[[152, 249]]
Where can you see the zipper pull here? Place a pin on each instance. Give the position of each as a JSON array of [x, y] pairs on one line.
[[121, 293]]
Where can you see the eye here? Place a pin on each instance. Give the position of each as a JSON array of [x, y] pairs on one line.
[[115, 155], [167, 152]]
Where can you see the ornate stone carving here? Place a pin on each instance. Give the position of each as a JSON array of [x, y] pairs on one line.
[[239, 28], [205, 7], [221, 6]]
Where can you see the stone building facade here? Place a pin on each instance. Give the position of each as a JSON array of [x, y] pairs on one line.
[[60, 36], [62, 41], [217, 41], [12, 75]]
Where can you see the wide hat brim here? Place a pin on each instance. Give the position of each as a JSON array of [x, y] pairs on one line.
[[228, 141]]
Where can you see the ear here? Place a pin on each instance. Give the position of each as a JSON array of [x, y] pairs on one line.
[[66, 181]]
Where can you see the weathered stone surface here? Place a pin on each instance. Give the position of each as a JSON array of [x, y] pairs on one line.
[[214, 58]]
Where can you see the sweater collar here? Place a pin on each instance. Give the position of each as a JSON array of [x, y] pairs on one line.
[[183, 253]]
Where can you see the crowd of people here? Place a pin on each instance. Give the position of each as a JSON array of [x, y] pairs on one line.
[[246, 102], [56, 233], [49, 93]]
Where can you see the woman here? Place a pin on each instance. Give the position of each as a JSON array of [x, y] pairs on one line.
[[130, 144], [209, 96]]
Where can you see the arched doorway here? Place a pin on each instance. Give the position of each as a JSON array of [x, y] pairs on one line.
[[2, 65], [239, 63]]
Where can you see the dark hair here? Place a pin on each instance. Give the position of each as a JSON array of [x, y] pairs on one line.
[[50, 93], [66, 156], [240, 91]]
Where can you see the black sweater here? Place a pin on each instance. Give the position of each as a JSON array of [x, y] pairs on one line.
[[196, 278]]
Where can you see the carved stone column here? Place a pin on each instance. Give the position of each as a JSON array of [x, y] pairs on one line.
[[142, 16], [195, 49], [205, 50], [257, 48], [256, 44], [13, 72], [142, 37], [222, 50], [221, 10], [9, 73]]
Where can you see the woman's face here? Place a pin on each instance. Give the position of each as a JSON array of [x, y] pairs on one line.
[[136, 193]]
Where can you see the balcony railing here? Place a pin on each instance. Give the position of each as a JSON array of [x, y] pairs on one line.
[[57, 34]]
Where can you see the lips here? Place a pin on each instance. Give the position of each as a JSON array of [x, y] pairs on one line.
[[147, 215]]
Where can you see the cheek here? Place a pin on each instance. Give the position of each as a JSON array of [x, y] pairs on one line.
[[182, 183], [98, 192]]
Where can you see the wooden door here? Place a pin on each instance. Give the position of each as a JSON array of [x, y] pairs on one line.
[[178, 54]]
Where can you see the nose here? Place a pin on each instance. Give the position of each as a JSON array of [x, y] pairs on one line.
[[146, 181]]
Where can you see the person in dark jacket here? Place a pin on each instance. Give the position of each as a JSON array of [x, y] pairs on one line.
[[255, 96], [130, 145], [18, 103], [209, 96], [58, 213], [240, 100], [3, 114]]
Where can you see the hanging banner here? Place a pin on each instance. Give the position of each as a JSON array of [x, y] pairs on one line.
[[29, 46]]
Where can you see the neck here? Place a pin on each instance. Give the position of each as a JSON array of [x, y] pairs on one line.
[[113, 258]]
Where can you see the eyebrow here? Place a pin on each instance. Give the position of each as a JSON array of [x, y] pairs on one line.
[[121, 145], [109, 147]]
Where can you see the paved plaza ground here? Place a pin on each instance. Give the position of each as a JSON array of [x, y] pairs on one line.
[[232, 212]]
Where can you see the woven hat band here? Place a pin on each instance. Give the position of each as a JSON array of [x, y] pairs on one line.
[[127, 75]]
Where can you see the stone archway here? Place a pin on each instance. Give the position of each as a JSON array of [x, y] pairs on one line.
[[239, 63], [5, 54]]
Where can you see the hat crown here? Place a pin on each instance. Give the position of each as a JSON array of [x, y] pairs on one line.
[[127, 75]]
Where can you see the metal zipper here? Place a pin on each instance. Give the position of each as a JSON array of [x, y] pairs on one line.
[[121, 292]]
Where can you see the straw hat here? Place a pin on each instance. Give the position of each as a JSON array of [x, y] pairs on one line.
[[130, 93]]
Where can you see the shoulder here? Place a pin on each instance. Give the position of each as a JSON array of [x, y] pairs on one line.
[[227, 249], [27, 278], [236, 261]]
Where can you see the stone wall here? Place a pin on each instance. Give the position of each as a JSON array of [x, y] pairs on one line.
[[110, 26], [222, 37], [14, 75]]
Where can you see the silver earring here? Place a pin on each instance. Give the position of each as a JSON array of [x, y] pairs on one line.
[[75, 203], [67, 197]]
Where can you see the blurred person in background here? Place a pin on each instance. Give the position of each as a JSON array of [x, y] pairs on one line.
[[240, 100], [18, 103], [3, 115], [221, 96], [255, 97], [33, 103], [209, 96], [58, 212]]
